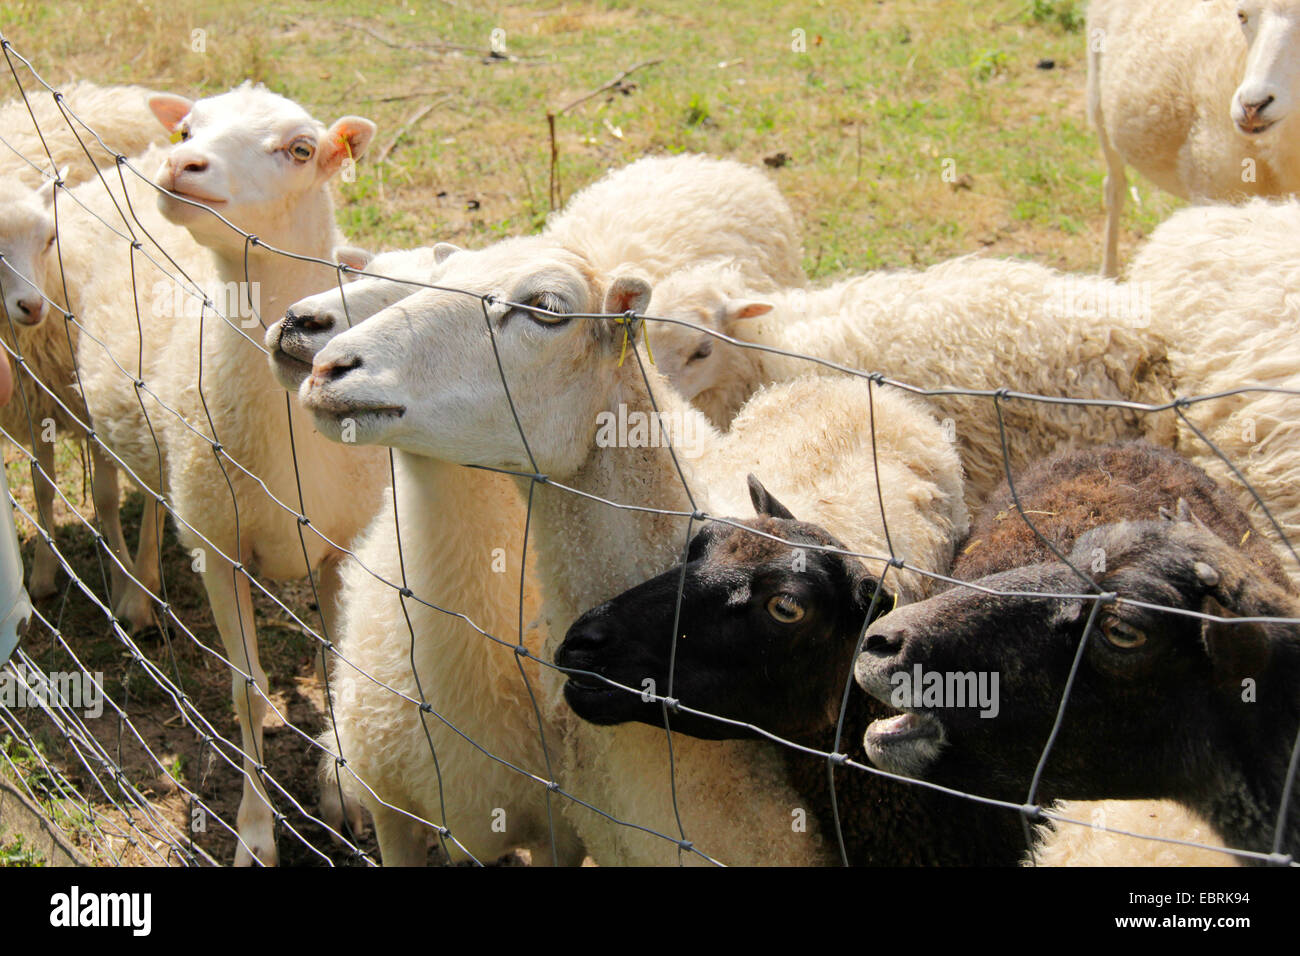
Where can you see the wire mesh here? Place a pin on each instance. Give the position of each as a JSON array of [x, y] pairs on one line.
[[153, 778]]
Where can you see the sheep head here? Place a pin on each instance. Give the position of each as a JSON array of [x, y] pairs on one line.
[[27, 246], [765, 632], [1270, 83], [1160, 701], [310, 323], [423, 375], [251, 156], [706, 370]]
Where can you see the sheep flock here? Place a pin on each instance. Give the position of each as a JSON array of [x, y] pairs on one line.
[[625, 543]]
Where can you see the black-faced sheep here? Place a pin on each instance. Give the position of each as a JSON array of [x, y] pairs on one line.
[[768, 633], [1163, 704]]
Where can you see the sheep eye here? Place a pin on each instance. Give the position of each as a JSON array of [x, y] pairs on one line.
[[549, 302], [1241, 15], [302, 150], [785, 609], [703, 352], [50, 241], [1121, 635]]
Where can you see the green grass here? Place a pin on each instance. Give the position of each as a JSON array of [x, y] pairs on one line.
[[881, 93], [16, 852]]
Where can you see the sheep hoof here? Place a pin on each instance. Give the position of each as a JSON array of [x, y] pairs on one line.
[[134, 607], [257, 844], [267, 855], [41, 586]]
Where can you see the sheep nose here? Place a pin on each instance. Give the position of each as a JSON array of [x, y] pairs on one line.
[[584, 638], [31, 308], [1252, 110], [308, 321], [333, 371], [884, 640], [194, 165]]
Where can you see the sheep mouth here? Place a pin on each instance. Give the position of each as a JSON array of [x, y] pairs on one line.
[[906, 743], [358, 412], [1254, 129], [289, 370], [592, 699], [187, 197]]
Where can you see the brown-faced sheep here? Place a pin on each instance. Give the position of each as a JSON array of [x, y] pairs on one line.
[[1162, 705]]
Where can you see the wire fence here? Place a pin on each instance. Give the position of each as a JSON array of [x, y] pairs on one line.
[[153, 776]]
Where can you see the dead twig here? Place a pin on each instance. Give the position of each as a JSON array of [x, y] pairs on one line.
[[404, 129], [615, 83], [441, 46]]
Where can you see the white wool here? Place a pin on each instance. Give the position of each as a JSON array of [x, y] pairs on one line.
[[1222, 283], [118, 115], [970, 323]]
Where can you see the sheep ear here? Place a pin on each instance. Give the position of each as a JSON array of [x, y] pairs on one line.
[[442, 251], [1183, 512], [352, 257], [864, 592], [170, 109], [627, 293], [764, 503], [737, 310], [346, 139], [1236, 651]]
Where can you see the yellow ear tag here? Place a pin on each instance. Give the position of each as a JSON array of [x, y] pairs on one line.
[[622, 354], [176, 136], [347, 145]]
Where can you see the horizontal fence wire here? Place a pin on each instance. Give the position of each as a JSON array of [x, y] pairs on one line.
[[126, 796]]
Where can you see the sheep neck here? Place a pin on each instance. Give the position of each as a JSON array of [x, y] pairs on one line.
[[892, 823], [461, 516], [304, 227], [589, 551]]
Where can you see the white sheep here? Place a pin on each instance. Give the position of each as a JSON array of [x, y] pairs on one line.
[[1198, 95], [119, 115], [970, 323], [264, 163], [48, 403], [1221, 283], [634, 214], [452, 517], [569, 385], [29, 276]]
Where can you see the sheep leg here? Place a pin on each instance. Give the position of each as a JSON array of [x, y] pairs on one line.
[[232, 606], [134, 602], [45, 563], [402, 841], [332, 809], [329, 582], [108, 502], [1115, 186]]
